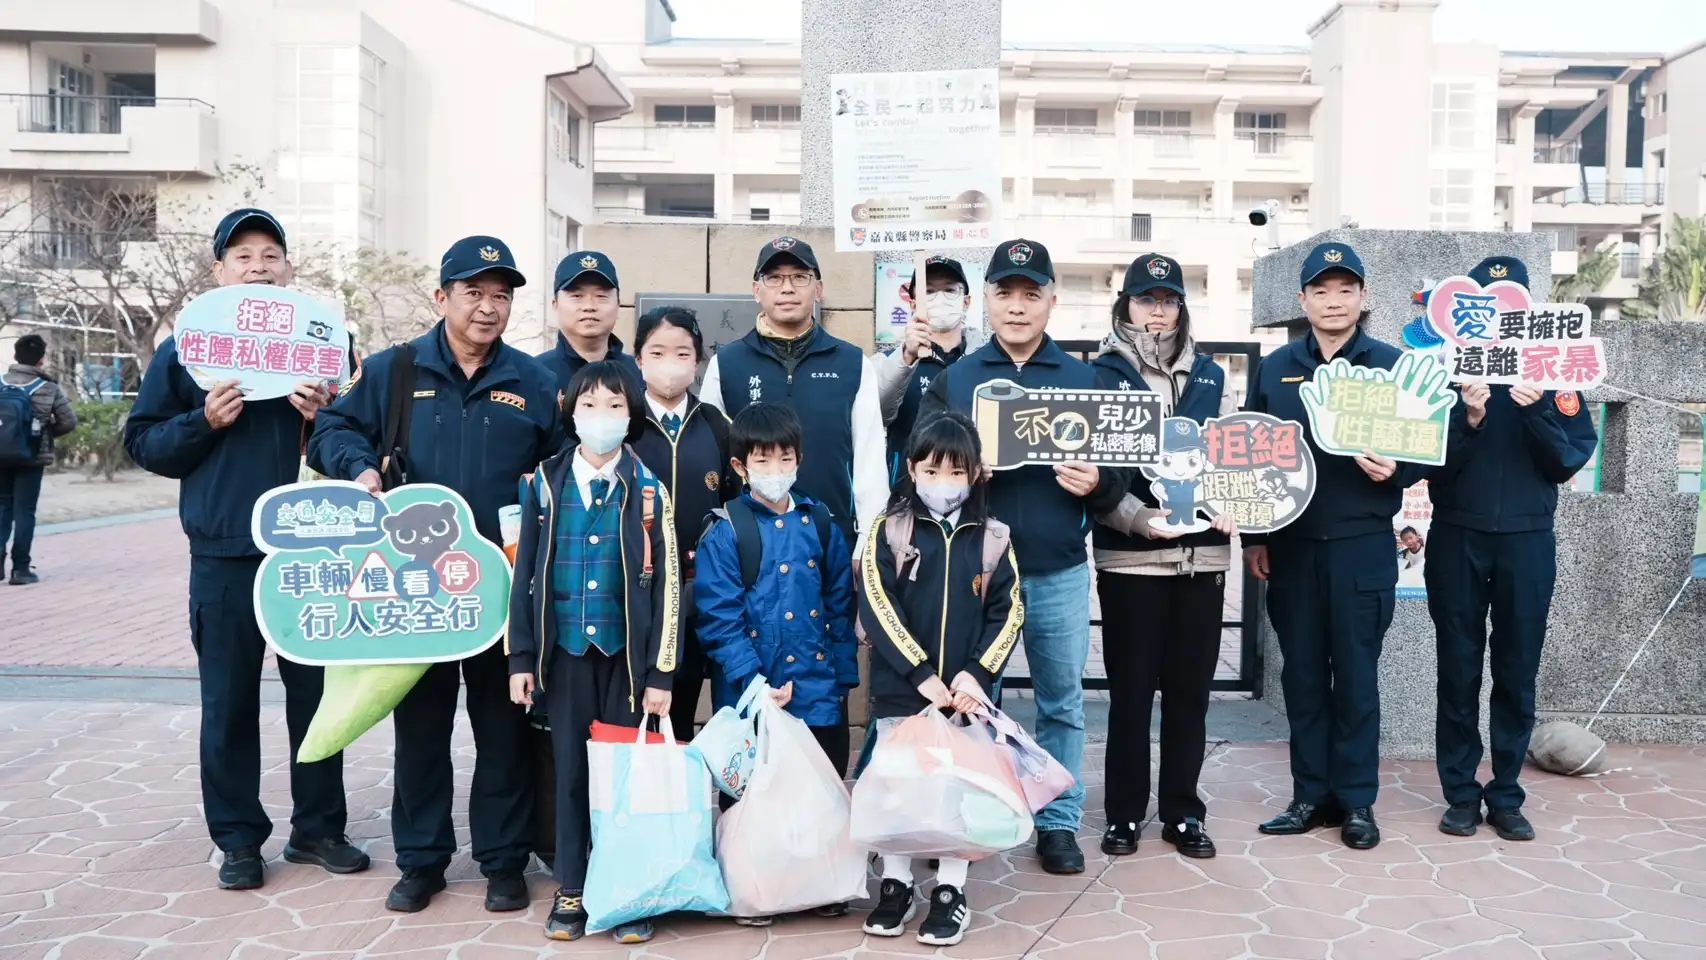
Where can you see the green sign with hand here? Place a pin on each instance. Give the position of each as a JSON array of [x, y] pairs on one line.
[[1401, 414]]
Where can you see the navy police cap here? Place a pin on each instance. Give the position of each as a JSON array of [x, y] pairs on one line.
[[1494, 269], [579, 264], [472, 256], [1332, 255], [1150, 271], [246, 218]]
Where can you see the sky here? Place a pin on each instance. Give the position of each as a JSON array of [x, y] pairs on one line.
[[1646, 26]]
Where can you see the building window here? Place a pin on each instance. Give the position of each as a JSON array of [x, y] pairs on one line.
[[1142, 228], [370, 149], [775, 114], [331, 144], [1066, 119], [758, 213], [1451, 197], [1171, 130], [565, 131], [1265, 130], [684, 115], [1455, 126], [1505, 131]]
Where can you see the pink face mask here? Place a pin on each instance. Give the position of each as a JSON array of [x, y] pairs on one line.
[[669, 378]]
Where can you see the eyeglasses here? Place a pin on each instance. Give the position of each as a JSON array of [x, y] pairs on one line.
[[1150, 303], [797, 281]]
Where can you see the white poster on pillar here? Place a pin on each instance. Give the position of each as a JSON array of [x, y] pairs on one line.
[[917, 159]]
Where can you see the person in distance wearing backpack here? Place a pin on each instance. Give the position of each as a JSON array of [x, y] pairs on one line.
[[773, 591], [941, 622], [33, 411]]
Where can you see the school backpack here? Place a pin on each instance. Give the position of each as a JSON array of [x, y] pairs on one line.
[[20, 431], [897, 533]]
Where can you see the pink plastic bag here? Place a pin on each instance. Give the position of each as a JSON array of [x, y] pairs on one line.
[[1041, 776]]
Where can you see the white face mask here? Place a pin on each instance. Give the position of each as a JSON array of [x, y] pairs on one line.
[[943, 496], [773, 487], [670, 378], [946, 309], [600, 431]]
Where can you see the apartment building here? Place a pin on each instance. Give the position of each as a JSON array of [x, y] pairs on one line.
[[398, 125], [1110, 151]]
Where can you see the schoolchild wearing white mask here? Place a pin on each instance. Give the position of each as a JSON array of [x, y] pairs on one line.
[[934, 341], [686, 443]]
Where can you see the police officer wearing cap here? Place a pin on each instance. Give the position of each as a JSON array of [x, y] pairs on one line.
[[1491, 548], [1048, 509], [228, 452], [790, 359], [586, 299], [935, 340], [1332, 574], [1161, 589], [480, 414]]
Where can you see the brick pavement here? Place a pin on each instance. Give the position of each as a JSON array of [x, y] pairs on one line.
[[103, 856]]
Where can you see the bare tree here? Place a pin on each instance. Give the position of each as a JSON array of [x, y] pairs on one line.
[[386, 297]]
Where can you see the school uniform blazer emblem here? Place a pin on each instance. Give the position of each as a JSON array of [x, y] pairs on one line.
[[513, 400], [1158, 268], [1568, 401], [490, 254], [1334, 256], [711, 480]]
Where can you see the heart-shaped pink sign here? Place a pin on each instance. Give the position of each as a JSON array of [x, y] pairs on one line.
[[1466, 313]]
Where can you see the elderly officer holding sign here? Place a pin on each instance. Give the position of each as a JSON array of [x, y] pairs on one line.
[[476, 415], [1491, 547], [1333, 573], [228, 452], [1048, 508]]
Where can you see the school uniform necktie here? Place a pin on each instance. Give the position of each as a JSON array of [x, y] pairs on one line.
[[672, 424]]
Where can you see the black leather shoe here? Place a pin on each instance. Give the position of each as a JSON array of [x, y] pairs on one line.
[[1510, 824], [1360, 832], [1300, 817], [506, 892], [333, 854], [243, 869], [1120, 840], [1190, 838], [1460, 820], [414, 891], [1058, 850]]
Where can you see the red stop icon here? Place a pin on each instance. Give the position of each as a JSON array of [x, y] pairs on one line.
[[457, 572]]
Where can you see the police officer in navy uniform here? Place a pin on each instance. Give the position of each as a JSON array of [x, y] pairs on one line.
[[1491, 547], [935, 340], [228, 452], [483, 415], [790, 359], [587, 300], [1332, 573]]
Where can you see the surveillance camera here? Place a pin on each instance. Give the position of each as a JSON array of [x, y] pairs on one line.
[[1258, 216]]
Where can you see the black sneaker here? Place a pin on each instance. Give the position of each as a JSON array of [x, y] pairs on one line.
[[568, 917], [332, 854], [243, 869], [1190, 838], [1058, 850], [1460, 820], [506, 892], [414, 890], [831, 910], [1510, 824], [896, 906], [24, 576], [949, 915], [1120, 840]]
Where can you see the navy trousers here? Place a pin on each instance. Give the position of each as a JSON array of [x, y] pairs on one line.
[[578, 691], [229, 651], [500, 800], [1469, 574], [1330, 602]]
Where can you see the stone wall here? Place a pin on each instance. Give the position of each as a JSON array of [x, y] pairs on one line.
[[1622, 552]]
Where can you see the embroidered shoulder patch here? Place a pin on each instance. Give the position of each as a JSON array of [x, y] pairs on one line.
[[513, 400], [1569, 402]]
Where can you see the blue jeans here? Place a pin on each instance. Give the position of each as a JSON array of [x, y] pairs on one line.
[[20, 489], [1057, 646]]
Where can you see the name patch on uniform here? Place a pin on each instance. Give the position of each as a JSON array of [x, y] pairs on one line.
[[1569, 402], [512, 399], [1292, 379], [424, 394]]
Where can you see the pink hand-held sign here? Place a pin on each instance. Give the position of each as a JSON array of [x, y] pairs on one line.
[[1496, 335], [1466, 313], [268, 339]]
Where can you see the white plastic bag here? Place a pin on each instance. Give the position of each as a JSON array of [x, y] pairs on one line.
[[933, 789], [729, 742], [784, 847]]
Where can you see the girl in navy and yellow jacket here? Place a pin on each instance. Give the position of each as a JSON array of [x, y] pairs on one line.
[[940, 635]]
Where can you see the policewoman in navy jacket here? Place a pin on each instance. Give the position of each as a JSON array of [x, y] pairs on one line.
[[1491, 547], [228, 452], [1161, 591], [482, 415], [686, 443], [1332, 574]]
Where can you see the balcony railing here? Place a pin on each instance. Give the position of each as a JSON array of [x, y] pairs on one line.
[[67, 113], [69, 249], [1634, 192], [1557, 151], [1630, 266]]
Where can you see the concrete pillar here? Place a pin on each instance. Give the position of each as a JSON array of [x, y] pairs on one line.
[[1617, 144], [1024, 131], [1125, 159], [1225, 146], [1522, 173], [723, 183], [1652, 178]]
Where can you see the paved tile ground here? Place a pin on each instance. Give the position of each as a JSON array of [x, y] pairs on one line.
[[103, 855]]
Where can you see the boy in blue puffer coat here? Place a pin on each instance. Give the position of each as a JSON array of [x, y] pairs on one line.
[[774, 589]]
